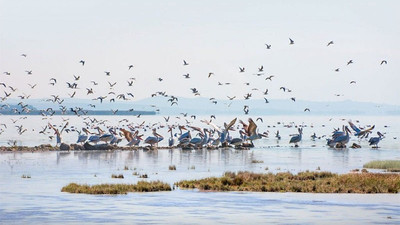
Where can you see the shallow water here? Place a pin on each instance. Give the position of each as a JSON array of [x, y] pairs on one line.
[[39, 199]]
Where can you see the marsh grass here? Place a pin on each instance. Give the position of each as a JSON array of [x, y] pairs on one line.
[[315, 182], [113, 189], [256, 161], [389, 165], [126, 168], [25, 176]]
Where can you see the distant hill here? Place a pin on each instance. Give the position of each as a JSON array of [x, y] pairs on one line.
[[200, 105]]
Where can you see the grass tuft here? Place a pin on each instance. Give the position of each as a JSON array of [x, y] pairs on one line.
[[120, 176], [256, 161], [143, 176], [172, 167], [389, 165], [315, 182], [25, 176], [113, 189]]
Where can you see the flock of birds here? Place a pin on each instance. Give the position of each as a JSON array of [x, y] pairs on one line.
[[212, 136]]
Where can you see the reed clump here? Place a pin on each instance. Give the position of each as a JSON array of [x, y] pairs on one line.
[[389, 165], [256, 161], [119, 176], [114, 189], [314, 182]]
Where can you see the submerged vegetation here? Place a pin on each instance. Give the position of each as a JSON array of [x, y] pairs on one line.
[[315, 182], [389, 165], [100, 189]]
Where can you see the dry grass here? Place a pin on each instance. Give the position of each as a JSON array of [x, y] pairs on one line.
[[315, 182], [389, 165], [100, 189], [25, 176], [256, 161]]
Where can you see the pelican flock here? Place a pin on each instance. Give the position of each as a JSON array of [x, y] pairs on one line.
[[182, 131]]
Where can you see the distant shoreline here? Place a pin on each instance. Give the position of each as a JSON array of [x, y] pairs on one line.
[[87, 113]]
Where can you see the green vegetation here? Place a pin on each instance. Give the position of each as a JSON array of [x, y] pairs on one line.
[[389, 165], [315, 182], [100, 189]]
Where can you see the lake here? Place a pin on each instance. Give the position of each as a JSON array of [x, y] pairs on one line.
[[39, 199]]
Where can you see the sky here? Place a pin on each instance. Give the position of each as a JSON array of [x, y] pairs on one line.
[[212, 36]]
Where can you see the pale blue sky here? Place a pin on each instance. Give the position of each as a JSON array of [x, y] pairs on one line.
[[213, 36]]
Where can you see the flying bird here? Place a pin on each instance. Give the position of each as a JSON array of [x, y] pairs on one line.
[[83, 62], [350, 62], [241, 69], [185, 63], [330, 43], [268, 46], [291, 41], [383, 62], [269, 78]]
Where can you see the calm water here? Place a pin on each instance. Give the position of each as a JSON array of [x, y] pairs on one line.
[[39, 200]]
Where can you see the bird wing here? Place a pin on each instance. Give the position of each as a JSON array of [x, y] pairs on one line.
[[197, 129], [354, 127], [252, 127], [211, 124], [245, 126], [229, 125]]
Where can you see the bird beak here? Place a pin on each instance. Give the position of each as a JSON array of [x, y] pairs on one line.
[[348, 130]]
